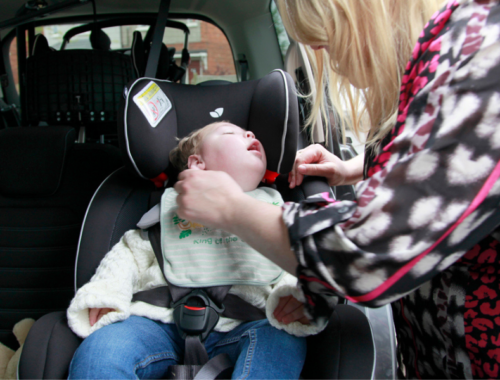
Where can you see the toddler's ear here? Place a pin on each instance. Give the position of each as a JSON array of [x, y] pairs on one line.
[[195, 162]]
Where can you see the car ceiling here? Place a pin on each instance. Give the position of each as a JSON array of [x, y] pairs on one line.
[[221, 11], [246, 23]]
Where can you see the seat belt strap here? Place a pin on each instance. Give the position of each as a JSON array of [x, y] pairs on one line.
[[242, 60], [215, 367], [194, 351], [158, 297], [154, 52], [219, 367]]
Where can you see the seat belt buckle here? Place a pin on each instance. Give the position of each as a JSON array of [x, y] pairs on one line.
[[196, 314]]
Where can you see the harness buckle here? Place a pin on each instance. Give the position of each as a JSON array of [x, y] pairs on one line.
[[196, 314]]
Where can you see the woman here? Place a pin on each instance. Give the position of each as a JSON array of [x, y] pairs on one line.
[[422, 232]]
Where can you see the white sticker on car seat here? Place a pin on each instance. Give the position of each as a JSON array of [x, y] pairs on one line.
[[153, 103]]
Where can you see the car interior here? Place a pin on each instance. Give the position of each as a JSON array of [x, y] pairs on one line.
[[81, 161]]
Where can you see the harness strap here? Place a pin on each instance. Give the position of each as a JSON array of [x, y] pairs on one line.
[[158, 296], [194, 351], [182, 372], [215, 367]]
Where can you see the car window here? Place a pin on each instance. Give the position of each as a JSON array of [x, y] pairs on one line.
[[13, 62], [209, 49], [283, 39], [211, 57]]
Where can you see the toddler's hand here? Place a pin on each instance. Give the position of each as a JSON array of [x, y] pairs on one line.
[[289, 310], [97, 313]]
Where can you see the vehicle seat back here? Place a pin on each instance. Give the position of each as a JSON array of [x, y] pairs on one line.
[[76, 87], [167, 67], [46, 182], [100, 40]]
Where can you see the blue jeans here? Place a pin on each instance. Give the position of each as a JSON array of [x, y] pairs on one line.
[[140, 348]]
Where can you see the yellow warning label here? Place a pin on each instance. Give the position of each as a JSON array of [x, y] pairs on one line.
[[149, 92], [153, 103]]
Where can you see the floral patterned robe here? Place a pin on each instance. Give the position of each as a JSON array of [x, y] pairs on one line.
[[422, 232]]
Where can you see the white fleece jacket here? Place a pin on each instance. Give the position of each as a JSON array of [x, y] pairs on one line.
[[131, 267]]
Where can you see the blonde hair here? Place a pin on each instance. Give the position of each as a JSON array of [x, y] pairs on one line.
[[190, 145], [370, 43]]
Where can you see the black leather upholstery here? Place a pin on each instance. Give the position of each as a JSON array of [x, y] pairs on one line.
[[344, 350], [51, 348]]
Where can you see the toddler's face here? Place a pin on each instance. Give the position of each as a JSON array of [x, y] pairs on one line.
[[235, 151]]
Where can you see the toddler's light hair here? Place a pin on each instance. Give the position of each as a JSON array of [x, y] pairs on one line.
[[190, 145]]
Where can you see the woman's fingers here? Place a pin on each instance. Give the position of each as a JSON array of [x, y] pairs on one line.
[[313, 154]]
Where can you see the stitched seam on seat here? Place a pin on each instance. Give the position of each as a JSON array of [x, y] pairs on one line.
[[46, 351], [84, 222], [117, 217], [63, 161]]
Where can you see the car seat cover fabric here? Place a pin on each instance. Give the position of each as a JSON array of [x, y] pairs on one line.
[[198, 256], [267, 106], [33, 159]]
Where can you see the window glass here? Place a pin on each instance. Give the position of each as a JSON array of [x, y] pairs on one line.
[[211, 57], [55, 34], [120, 36], [283, 39], [209, 50], [13, 62]]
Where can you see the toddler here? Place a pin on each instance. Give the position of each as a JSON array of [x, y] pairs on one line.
[[126, 339]]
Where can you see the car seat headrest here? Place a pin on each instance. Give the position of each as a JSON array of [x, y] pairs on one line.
[[40, 45], [33, 159], [99, 40], [155, 112]]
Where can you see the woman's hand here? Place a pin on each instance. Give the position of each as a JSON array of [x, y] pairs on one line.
[[207, 197], [97, 313], [315, 160], [289, 310]]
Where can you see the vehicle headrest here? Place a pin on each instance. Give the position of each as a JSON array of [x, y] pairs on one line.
[[99, 40], [155, 112], [32, 159], [40, 45]]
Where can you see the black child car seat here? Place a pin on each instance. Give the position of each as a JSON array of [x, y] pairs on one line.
[[154, 113]]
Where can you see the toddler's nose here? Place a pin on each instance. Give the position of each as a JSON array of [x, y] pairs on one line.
[[249, 134]]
